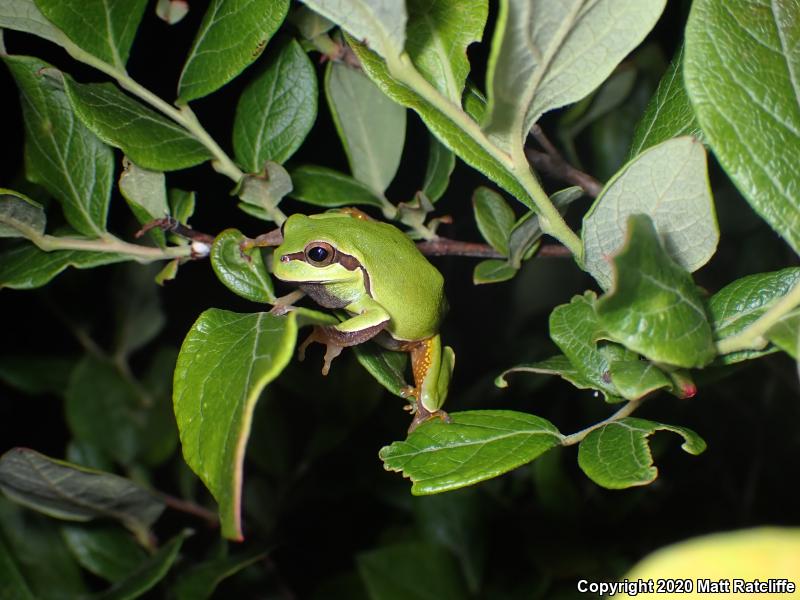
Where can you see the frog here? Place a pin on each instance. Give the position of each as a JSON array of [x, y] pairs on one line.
[[388, 291]]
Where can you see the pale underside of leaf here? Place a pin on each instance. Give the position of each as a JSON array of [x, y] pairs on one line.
[[549, 54], [669, 183], [380, 24], [742, 72]]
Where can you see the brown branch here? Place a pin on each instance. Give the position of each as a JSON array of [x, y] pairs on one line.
[[553, 164], [172, 225], [190, 508], [447, 247], [554, 250]]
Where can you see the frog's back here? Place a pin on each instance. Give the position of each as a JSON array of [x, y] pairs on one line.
[[400, 278]]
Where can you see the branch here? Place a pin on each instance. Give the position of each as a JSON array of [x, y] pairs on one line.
[[191, 508], [109, 243], [552, 163], [442, 246], [446, 247]]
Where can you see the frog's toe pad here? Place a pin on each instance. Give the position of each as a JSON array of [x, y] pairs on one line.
[[422, 415]]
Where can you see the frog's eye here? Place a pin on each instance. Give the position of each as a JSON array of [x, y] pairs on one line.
[[319, 254]]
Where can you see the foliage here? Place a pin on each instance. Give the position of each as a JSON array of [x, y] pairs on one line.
[[640, 319]]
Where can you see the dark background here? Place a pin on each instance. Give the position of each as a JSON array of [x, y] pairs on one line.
[[316, 493]]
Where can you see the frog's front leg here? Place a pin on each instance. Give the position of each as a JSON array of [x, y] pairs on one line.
[[364, 326], [432, 366], [282, 305]]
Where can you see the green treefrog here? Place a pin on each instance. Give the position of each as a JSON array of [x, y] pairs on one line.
[[391, 293]]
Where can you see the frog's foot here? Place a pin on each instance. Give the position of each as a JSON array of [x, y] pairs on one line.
[[422, 414], [355, 212], [265, 240], [284, 304], [332, 349]]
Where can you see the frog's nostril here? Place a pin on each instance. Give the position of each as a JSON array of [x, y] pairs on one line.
[[285, 258]]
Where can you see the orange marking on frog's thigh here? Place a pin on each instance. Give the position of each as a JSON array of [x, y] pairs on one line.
[[421, 360]]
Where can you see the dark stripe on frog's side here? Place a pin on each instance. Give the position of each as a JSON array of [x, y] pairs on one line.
[[349, 338], [351, 263]]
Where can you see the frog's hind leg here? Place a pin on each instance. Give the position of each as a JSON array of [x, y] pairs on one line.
[[432, 366], [335, 340]]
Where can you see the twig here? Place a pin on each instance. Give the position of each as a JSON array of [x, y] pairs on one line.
[[190, 508], [620, 414], [447, 247], [552, 163], [172, 225], [554, 250]]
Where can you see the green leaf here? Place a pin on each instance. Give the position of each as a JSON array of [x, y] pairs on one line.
[[276, 110], [137, 308], [448, 131], [108, 552], [668, 183], [23, 15], [636, 378], [411, 571], [321, 186], [669, 113], [576, 329], [84, 454], [441, 162], [263, 192], [524, 238], [226, 360], [457, 521], [103, 28], [25, 266], [438, 34], [387, 367], [741, 68], [43, 558], [381, 23], [477, 445], [555, 365], [785, 334], [147, 138], [109, 411], [655, 308], [60, 153], [12, 584], [617, 455], [492, 270], [199, 582], [20, 216], [65, 491], [36, 373], [527, 231], [181, 204], [232, 35], [494, 218], [309, 24], [360, 110], [145, 192], [160, 437], [243, 273], [610, 95], [149, 573], [742, 302], [549, 54]]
